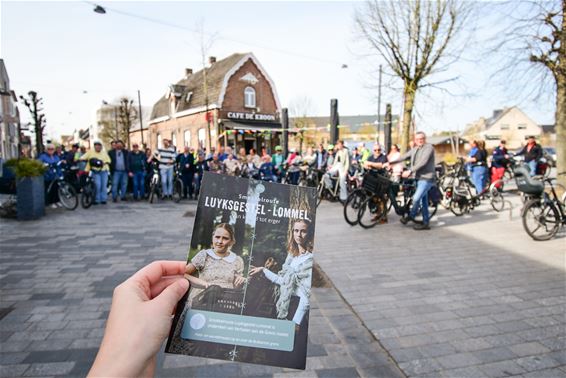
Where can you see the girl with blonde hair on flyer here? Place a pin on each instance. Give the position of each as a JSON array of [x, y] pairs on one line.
[[295, 276]]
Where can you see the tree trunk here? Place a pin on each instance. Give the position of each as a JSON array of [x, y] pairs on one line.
[[560, 120], [409, 93]]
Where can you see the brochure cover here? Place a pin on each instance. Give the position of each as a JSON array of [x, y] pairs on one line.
[[250, 266]]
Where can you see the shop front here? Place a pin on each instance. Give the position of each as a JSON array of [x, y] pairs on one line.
[[250, 130]]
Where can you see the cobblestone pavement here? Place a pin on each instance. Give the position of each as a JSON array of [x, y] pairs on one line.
[[473, 297], [56, 282]]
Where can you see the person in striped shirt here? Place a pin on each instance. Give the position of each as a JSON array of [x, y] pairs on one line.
[[166, 156]]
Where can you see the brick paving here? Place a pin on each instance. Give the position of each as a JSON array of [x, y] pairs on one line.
[[57, 276], [473, 297]]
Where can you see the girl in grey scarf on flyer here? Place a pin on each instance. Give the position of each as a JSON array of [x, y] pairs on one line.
[[295, 276]]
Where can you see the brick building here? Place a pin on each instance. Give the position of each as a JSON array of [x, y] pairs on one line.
[[9, 117], [232, 102]]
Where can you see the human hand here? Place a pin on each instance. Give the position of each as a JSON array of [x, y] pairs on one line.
[[130, 174], [140, 320], [255, 270], [239, 281], [406, 174]]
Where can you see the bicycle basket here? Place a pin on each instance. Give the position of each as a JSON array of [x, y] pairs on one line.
[[376, 184], [526, 184]]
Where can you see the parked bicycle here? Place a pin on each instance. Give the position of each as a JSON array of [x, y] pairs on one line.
[[544, 213]]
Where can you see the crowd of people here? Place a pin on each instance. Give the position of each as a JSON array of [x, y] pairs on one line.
[[130, 170]]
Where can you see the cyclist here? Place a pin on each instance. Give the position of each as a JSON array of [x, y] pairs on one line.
[[50, 158], [292, 166], [499, 161], [98, 163], [377, 160], [533, 153], [478, 162], [422, 169], [339, 167]]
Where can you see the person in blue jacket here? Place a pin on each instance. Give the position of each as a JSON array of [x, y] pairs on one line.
[[51, 160]]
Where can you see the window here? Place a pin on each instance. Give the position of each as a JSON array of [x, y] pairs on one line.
[[522, 126], [159, 140], [504, 127], [187, 138], [202, 137], [174, 139], [249, 97]]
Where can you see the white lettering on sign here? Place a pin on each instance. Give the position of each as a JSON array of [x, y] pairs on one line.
[[251, 116]]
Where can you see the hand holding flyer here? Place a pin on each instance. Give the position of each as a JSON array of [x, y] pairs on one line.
[[250, 265], [149, 297]]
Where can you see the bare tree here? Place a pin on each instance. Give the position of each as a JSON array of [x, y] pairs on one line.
[[35, 107], [205, 44], [535, 48], [117, 120], [416, 39], [301, 109], [127, 114]]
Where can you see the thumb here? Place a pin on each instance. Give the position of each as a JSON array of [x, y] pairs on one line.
[[169, 297]]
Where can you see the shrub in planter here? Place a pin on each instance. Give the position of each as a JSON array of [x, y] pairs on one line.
[[29, 188]]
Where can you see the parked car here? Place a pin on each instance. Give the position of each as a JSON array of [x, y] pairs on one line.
[[550, 154]]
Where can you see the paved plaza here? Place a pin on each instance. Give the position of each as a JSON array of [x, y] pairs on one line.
[[473, 297]]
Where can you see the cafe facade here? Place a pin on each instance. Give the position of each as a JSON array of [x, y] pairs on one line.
[[232, 102]]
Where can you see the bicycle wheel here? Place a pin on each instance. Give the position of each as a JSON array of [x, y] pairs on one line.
[[67, 196], [87, 196], [177, 190], [541, 220], [320, 193], [496, 199], [152, 192], [371, 211], [459, 207], [352, 206]]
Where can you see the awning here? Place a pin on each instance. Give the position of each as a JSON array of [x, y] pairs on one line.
[[255, 126]]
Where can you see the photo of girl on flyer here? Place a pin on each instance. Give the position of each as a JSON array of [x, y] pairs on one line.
[[295, 276]]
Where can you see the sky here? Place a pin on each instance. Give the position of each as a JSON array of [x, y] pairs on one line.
[[76, 58]]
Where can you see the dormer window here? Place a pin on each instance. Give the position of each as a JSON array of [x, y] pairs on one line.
[[249, 97]]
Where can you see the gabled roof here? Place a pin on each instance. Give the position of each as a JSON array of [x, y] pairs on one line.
[[551, 129], [194, 83], [190, 90]]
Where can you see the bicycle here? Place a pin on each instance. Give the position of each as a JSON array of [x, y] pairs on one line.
[[544, 212], [155, 183], [331, 193], [177, 186], [384, 194], [67, 194], [88, 191]]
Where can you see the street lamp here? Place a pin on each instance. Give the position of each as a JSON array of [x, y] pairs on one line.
[[100, 10]]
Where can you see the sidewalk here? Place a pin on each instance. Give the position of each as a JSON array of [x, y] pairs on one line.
[[56, 283], [473, 297]]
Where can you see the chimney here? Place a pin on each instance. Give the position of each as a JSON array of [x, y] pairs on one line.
[[496, 113], [188, 72], [212, 60]]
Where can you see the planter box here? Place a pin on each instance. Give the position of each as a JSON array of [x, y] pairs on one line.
[[31, 198]]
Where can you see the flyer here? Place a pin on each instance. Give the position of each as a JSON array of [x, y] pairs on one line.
[[250, 267]]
